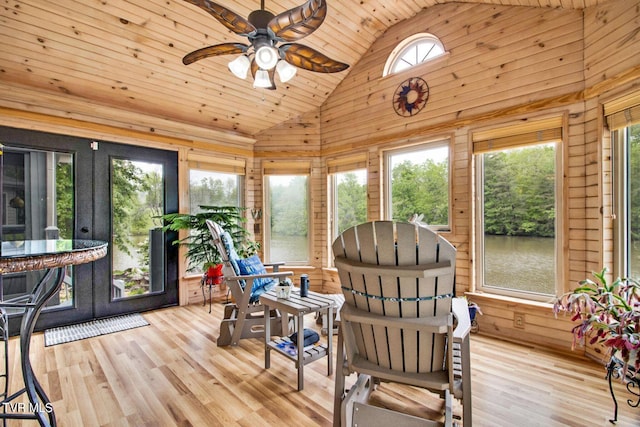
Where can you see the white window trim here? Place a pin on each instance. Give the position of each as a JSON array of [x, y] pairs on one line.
[[400, 48], [620, 156]]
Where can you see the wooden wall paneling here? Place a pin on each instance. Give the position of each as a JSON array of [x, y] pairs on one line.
[[447, 97], [24, 110], [375, 185]]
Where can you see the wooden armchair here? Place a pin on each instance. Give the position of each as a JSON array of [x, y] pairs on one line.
[[397, 322], [247, 279]]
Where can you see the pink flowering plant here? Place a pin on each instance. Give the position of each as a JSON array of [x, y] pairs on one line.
[[607, 313]]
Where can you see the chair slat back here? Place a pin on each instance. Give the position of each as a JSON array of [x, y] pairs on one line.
[[387, 292], [228, 270]]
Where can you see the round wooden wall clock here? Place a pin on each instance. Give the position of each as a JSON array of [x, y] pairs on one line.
[[411, 97]]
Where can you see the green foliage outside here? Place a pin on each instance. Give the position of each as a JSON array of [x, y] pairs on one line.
[[352, 201], [289, 207], [519, 192], [422, 189], [214, 189], [64, 199]]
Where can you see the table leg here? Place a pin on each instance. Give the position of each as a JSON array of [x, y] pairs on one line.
[[300, 351], [42, 407], [267, 337], [330, 340]]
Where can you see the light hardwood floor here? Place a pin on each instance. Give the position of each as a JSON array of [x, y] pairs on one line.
[[171, 373]]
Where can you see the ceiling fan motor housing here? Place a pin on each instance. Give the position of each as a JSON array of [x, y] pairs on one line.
[[260, 18]]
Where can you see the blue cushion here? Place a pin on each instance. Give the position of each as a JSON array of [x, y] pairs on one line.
[[227, 241], [253, 265]]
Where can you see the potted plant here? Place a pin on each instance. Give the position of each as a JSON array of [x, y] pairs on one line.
[[201, 252], [607, 313]]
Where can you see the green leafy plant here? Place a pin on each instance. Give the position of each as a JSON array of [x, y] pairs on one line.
[[201, 251], [607, 313]]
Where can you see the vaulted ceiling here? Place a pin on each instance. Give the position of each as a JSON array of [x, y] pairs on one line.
[[119, 62]]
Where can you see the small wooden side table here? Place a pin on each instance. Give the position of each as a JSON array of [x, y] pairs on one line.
[[298, 307]]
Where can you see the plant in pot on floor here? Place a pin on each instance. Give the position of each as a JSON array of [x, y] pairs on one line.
[[606, 313], [201, 252]]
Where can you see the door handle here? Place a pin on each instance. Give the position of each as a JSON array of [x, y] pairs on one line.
[[85, 229]]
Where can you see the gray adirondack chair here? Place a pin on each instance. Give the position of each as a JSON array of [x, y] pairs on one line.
[[397, 322], [244, 318]]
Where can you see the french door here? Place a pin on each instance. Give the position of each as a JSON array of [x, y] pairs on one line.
[[58, 186]]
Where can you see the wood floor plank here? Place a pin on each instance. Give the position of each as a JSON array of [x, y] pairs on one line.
[[172, 373]]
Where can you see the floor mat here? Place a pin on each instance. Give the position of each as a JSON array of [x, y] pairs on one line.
[[94, 328]]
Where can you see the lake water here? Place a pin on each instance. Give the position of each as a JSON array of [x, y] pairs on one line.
[[520, 263], [289, 248]]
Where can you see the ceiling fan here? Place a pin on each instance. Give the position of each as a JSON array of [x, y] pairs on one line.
[[263, 56]]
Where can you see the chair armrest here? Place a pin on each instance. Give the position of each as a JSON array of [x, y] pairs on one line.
[[431, 324], [461, 312], [259, 276]]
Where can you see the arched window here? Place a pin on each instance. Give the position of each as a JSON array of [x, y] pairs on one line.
[[412, 51]]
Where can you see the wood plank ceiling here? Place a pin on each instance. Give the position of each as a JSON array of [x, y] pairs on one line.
[[118, 62]]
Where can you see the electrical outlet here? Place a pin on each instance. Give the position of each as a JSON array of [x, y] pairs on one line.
[[518, 320]]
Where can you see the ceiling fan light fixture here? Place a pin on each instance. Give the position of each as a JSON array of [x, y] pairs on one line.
[[262, 80], [266, 57], [285, 71], [240, 66]]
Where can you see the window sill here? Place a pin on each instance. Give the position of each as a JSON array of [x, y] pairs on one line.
[[507, 300]]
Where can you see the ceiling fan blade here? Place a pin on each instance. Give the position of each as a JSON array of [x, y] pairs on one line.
[[228, 18], [215, 50], [310, 59], [300, 21]]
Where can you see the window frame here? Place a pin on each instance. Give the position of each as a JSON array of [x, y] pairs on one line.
[[411, 42], [620, 156], [445, 142], [478, 159]]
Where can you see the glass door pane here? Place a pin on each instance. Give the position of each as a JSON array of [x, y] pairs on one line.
[[38, 203], [137, 240]]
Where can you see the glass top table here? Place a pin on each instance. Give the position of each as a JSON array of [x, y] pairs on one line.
[[29, 255], [53, 256]]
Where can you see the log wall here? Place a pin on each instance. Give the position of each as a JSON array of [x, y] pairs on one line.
[[504, 64]]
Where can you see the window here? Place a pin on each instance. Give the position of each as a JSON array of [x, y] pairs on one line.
[[287, 219], [208, 188], [418, 183], [518, 197], [625, 126], [349, 190], [412, 51]]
